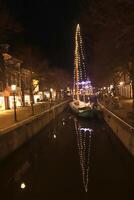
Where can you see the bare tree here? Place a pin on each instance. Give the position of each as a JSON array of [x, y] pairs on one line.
[[110, 25]]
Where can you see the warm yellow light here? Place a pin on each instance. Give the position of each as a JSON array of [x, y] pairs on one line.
[[13, 88], [35, 82], [78, 26], [51, 89], [36, 85], [6, 56], [23, 186], [54, 136], [111, 86], [121, 83]]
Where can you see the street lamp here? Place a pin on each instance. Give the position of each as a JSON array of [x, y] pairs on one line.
[[13, 88], [121, 83]]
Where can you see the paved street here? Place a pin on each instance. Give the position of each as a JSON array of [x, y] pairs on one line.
[[7, 117], [69, 159]]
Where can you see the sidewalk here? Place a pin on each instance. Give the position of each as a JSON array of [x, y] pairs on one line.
[[7, 116], [125, 111]]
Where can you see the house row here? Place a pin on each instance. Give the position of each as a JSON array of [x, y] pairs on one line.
[[26, 82], [125, 86]]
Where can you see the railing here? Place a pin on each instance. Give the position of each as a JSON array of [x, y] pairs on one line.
[[122, 122]]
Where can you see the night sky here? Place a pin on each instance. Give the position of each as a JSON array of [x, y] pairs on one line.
[[50, 25]]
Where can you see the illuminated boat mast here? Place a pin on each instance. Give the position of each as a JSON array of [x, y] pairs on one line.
[[82, 85], [76, 69]]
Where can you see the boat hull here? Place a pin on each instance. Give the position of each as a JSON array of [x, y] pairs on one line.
[[88, 112]]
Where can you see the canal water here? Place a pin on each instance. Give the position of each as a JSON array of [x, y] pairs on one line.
[[71, 159]]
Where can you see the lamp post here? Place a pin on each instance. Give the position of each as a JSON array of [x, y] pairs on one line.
[[13, 88], [51, 93]]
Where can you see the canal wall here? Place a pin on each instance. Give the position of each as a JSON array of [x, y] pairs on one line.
[[122, 130], [19, 133]]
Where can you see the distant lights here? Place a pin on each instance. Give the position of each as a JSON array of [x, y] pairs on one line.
[[121, 83], [86, 87], [63, 123], [83, 83], [111, 87], [86, 129]]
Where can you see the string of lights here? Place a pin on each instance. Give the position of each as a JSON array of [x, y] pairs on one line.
[[76, 68], [81, 82]]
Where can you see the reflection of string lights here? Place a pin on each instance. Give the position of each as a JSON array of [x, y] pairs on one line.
[[23, 186], [84, 136]]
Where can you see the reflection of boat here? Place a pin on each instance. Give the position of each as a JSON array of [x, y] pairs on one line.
[[82, 85], [84, 138]]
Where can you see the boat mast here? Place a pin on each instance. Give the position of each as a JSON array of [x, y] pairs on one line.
[[76, 64]]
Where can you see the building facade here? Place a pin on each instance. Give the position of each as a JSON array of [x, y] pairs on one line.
[[125, 86]]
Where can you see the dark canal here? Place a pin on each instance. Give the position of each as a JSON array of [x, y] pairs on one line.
[[71, 159]]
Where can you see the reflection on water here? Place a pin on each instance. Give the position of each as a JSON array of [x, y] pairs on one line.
[[56, 126], [48, 165], [23, 186], [21, 171], [84, 137]]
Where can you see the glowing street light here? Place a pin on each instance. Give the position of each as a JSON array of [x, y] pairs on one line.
[[51, 89], [13, 88], [54, 136], [121, 83], [111, 87]]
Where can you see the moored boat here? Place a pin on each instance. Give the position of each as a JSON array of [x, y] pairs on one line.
[[81, 108], [85, 110]]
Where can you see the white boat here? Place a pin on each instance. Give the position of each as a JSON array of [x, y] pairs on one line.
[[81, 108]]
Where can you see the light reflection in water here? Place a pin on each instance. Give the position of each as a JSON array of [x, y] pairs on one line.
[[23, 186], [54, 136], [84, 137], [63, 123]]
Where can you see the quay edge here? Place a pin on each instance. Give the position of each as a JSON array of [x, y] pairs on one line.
[[15, 136], [122, 129]]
